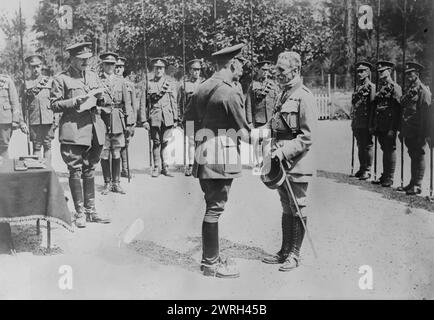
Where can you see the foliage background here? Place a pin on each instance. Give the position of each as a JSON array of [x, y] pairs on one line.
[[322, 31]]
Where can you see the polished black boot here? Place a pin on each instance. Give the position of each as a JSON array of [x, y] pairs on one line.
[[284, 251], [293, 260], [77, 197], [105, 166], [212, 265], [89, 202], [116, 173]]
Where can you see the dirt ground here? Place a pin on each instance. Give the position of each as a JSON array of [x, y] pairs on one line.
[[353, 225]]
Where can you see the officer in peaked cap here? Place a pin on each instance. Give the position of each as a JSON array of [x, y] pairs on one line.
[[217, 107], [416, 104], [42, 119], [192, 82], [119, 70], [118, 116], [162, 107], [386, 119], [81, 132], [262, 95], [361, 115]]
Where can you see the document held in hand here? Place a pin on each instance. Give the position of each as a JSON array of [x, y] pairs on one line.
[[90, 102]]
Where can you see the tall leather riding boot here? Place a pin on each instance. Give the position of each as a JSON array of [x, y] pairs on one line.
[[287, 239], [116, 174], [77, 197], [210, 243], [106, 172], [89, 202], [298, 231], [89, 195], [419, 171]]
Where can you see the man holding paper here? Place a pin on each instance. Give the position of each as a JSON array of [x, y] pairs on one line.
[[75, 93]]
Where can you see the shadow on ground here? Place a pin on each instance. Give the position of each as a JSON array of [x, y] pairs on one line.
[[185, 260], [387, 193], [25, 239]]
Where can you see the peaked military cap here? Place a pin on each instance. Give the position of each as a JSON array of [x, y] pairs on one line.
[[108, 57], [159, 62], [265, 64], [121, 61], [413, 66], [80, 50], [34, 59], [228, 52], [384, 65], [195, 63], [363, 65]]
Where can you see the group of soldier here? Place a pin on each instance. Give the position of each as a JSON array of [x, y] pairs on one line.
[[96, 114], [383, 112]]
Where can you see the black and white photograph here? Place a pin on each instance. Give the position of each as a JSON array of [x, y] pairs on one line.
[[216, 151]]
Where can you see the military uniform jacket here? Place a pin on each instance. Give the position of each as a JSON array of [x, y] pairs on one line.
[[38, 101], [76, 127], [259, 105], [218, 107], [387, 107], [9, 104], [117, 111], [293, 121], [415, 114], [362, 104], [184, 95], [163, 107]]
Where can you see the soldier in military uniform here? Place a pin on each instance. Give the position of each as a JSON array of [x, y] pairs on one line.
[[10, 113], [163, 114], [119, 70], [361, 114], [292, 125], [386, 119], [415, 125], [117, 114], [262, 96], [42, 121], [81, 129], [217, 109], [184, 96]]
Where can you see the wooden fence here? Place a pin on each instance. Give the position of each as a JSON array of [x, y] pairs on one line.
[[323, 104]]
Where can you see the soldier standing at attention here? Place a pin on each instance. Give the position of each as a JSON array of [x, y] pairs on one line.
[[386, 120], [361, 114], [10, 113], [129, 134], [42, 120], [163, 114], [184, 96], [262, 96], [292, 125], [81, 131], [217, 107], [117, 114], [415, 125]]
